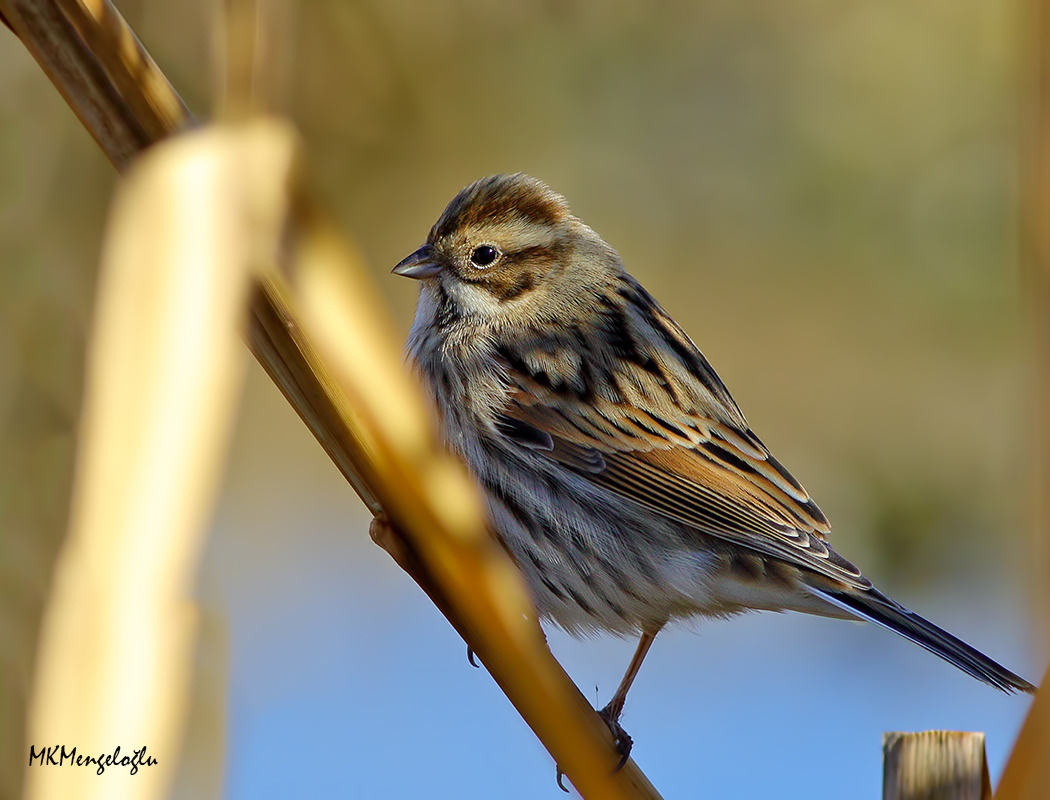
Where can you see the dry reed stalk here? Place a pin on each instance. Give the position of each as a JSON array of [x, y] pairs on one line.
[[338, 365], [191, 227], [1027, 773]]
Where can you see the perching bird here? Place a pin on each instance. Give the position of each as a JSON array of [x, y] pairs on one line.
[[617, 469]]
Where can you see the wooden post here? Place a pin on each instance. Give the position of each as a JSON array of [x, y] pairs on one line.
[[934, 765]]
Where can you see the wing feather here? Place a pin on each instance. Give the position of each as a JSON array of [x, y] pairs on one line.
[[692, 469]]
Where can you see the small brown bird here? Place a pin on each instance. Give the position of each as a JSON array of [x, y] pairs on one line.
[[618, 471]]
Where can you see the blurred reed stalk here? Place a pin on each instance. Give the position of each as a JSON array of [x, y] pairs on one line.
[[322, 335], [191, 225], [1027, 773], [252, 56]]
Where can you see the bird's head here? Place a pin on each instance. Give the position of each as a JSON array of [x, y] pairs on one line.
[[507, 249]]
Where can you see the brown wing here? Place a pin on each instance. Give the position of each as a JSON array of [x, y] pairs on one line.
[[700, 470]]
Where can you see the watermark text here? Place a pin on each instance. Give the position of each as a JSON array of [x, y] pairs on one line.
[[58, 755]]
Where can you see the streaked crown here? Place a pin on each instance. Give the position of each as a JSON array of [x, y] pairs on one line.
[[498, 200]]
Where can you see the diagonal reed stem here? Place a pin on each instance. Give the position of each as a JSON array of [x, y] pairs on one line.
[[127, 104]]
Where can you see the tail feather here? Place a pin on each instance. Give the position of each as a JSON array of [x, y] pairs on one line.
[[876, 607]]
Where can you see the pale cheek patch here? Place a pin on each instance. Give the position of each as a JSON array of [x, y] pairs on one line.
[[474, 300]]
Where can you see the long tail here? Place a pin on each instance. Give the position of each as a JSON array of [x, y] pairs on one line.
[[876, 607]]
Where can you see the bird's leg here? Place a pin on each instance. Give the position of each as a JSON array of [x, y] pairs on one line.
[[611, 712]]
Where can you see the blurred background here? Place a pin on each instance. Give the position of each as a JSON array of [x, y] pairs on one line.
[[823, 194]]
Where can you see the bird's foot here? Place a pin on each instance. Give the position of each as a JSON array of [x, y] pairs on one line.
[[621, 739]]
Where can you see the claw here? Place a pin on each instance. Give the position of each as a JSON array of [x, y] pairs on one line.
[[470, 658], [560, 784], [621, 738]]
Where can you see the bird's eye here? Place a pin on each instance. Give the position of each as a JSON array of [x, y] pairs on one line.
[[483, 255]]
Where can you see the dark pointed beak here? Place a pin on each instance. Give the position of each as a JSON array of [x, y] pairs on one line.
[[424, 263]]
